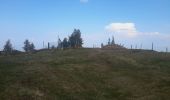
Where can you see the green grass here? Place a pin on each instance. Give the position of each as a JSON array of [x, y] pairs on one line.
[[85, 74]]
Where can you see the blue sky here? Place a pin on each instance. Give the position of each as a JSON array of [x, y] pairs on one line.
[[133, 22]]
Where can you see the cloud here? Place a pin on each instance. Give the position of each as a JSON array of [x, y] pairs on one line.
[[84, 1], [128, 29], [128, 34]]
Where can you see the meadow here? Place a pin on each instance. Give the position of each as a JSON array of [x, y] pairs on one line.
[[85, 74]]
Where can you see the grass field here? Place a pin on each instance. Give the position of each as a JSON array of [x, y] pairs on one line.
[[85, 74]]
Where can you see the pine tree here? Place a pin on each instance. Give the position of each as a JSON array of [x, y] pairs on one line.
[[26, 45], [109, 41], [113, 41], [32, 47]]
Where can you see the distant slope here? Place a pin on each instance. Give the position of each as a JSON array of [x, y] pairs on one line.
[[85, 74]]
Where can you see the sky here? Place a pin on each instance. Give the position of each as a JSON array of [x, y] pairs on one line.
[[132, 22]]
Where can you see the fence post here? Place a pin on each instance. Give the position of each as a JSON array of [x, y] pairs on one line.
[[152, 46]]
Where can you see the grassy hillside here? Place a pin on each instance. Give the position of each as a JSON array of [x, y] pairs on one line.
[[85, 74]]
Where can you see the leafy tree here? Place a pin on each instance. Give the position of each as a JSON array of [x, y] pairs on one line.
[[8, 47], [75, 39]]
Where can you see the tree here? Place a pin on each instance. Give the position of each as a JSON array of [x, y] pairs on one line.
[[75, 39], [52, 47], [59, 44], [113, 41], [28, 47], [32, 47], [65, 43], [102, 45], [109, 41], [8, 47]]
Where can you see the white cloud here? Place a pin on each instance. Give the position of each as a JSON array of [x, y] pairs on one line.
[[84, 1], [128, 34], [128, 29]]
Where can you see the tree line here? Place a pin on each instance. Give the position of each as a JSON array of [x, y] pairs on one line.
[[8, 48], [73, 41]]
